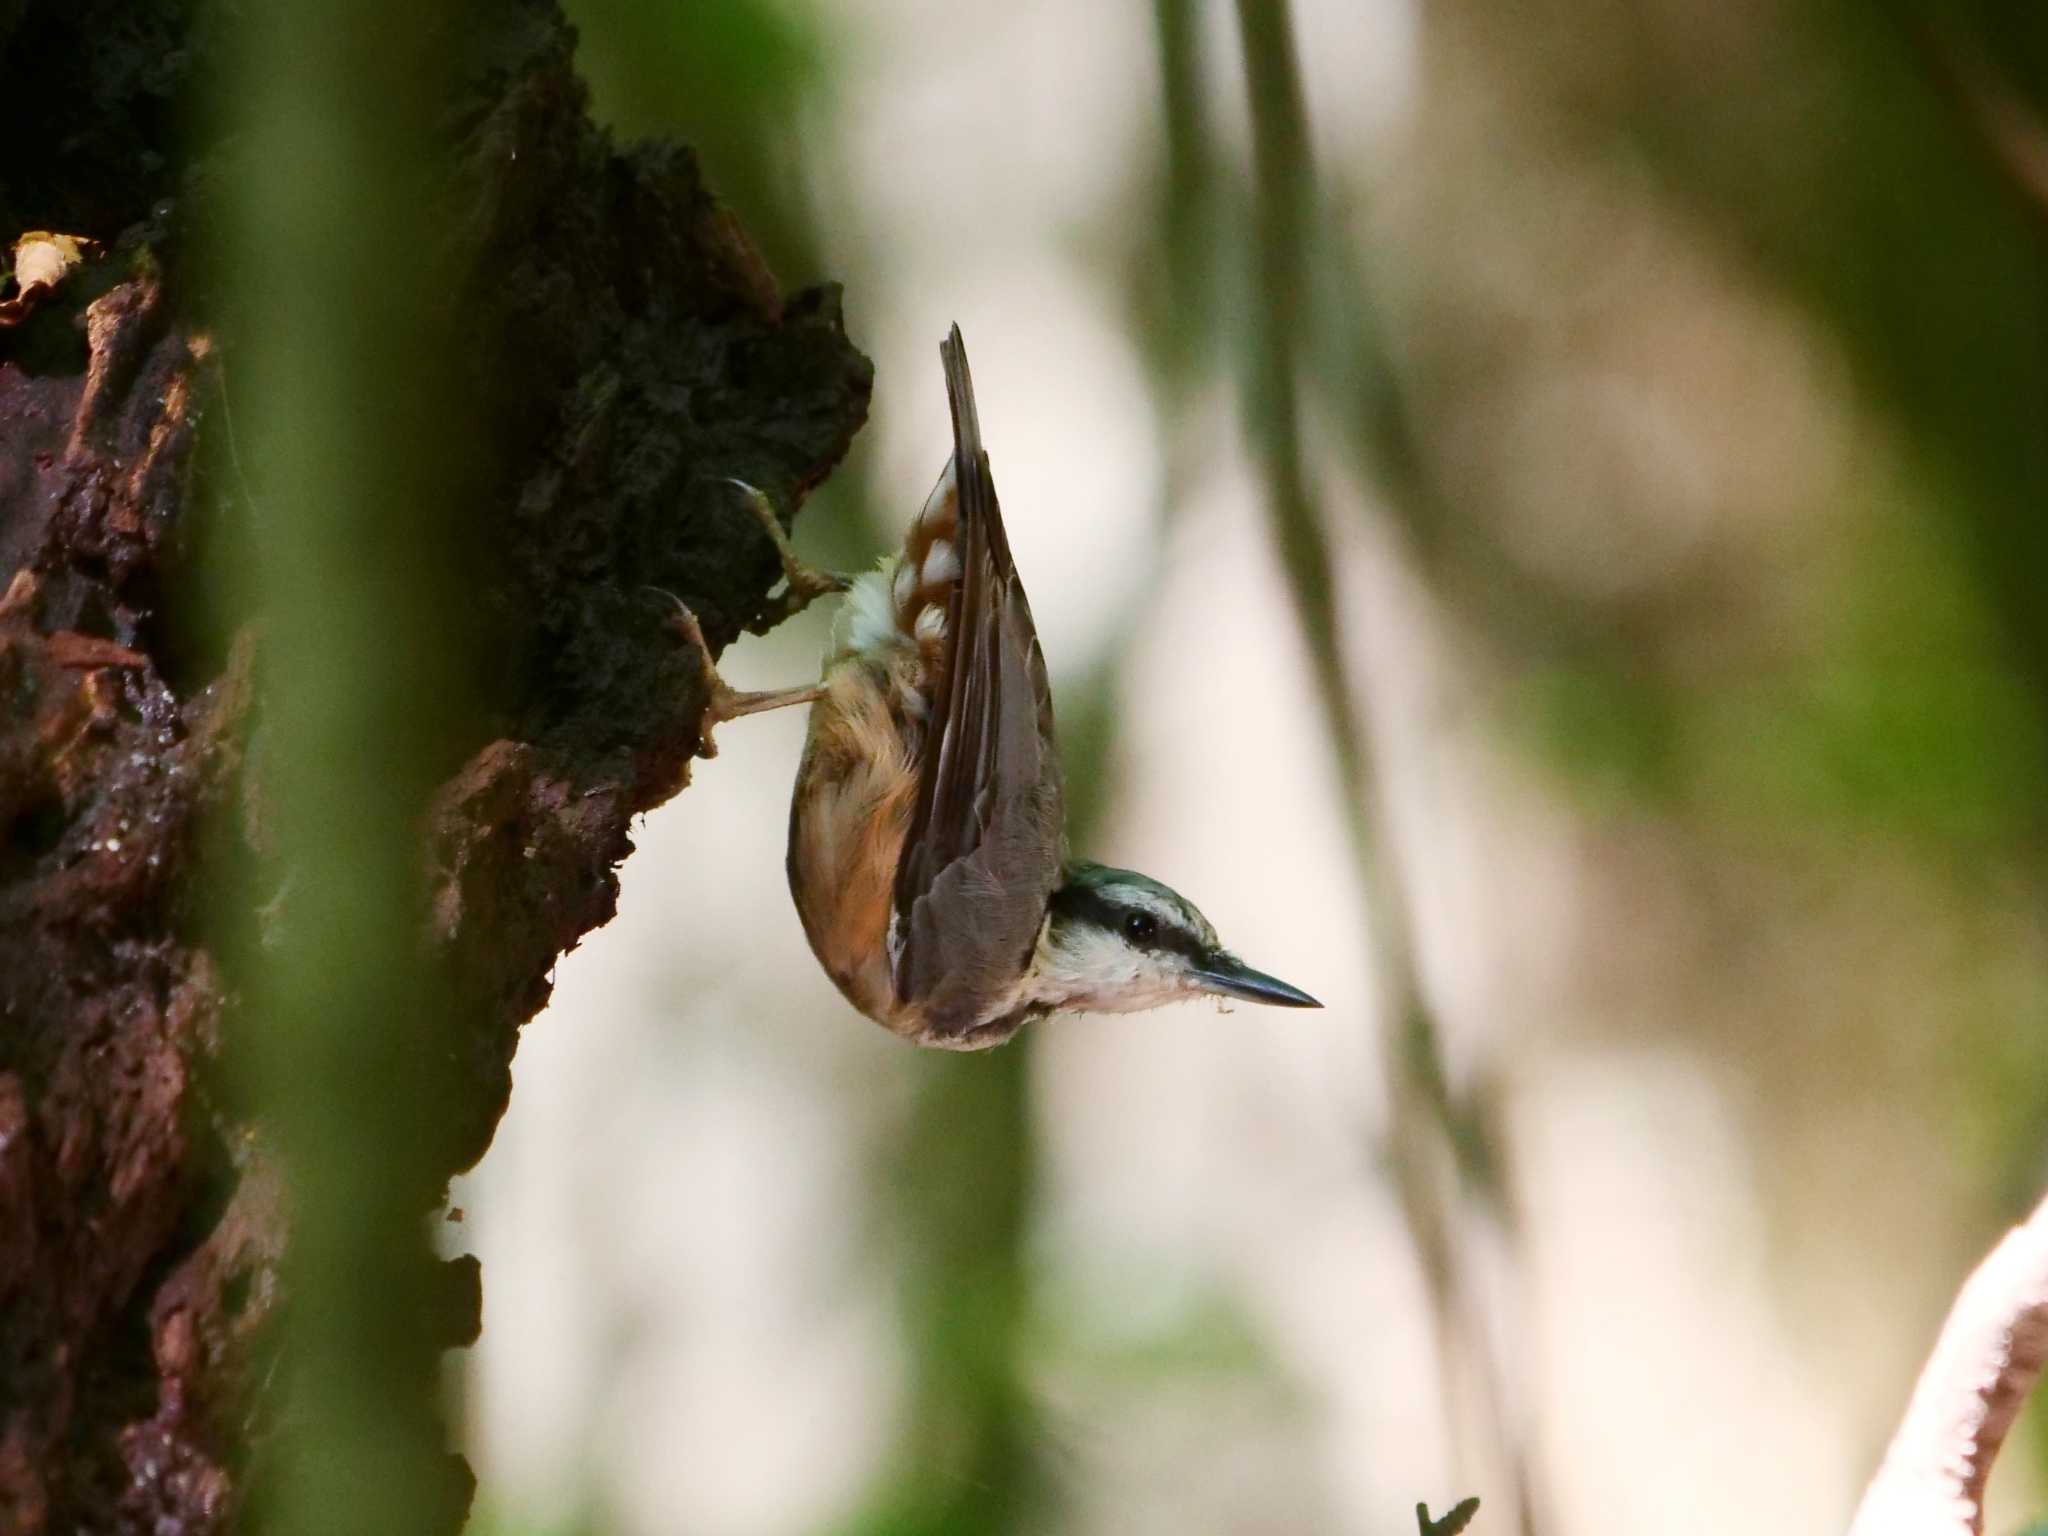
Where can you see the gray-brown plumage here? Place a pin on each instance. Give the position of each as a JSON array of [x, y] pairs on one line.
[[927, 850], [985, 843]]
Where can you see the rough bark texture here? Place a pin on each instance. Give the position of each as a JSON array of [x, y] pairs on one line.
[[629, 349]]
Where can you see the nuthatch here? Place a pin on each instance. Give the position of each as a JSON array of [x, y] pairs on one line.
[[927, 838]]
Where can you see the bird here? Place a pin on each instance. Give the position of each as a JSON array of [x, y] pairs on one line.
[[928, 855]]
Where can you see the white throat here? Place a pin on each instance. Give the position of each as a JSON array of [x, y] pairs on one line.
[[1087, 970]]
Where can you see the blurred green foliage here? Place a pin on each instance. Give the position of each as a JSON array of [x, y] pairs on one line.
[[355, 445], [1859, 185], [970, 1453], [743, 82]]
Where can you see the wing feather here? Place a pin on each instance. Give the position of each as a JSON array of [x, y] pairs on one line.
[[983, 852]]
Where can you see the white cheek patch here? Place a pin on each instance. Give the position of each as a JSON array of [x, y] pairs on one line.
[[941, 563], [1098, 974]]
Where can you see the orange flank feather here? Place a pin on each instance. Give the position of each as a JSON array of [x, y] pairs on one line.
[[862, 776]]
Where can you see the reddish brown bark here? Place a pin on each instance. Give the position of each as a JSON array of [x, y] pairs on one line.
[[629, 349]]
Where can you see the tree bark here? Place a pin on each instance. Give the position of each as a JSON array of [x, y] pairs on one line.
[[627, 349]]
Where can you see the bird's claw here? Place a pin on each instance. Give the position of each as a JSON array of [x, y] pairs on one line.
[[717, 691], [722, 701], [806, 582]]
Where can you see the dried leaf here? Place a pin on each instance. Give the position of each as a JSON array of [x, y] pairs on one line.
[[42, 260]]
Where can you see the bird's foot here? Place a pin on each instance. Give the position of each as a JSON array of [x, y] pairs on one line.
[[722, 701], [806, 583]]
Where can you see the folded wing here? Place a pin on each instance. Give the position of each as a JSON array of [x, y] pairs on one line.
[[983, 851]]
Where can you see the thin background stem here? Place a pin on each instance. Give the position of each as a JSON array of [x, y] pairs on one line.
[[1429, 1139]]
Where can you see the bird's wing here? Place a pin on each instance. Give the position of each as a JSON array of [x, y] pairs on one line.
[[983, 852]]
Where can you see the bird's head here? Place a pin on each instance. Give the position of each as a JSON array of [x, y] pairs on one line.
[[1116, 941]]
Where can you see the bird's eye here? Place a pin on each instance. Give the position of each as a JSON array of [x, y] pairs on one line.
[[1140, 927]]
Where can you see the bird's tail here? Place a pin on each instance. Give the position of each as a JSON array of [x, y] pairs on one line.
[[960, 400], [932, 563]]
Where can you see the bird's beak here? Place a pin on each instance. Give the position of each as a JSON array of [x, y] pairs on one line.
[[1227, 976]]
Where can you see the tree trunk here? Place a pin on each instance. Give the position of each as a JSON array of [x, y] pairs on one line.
[[625, 349]]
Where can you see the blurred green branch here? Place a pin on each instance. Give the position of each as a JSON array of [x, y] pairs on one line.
[[355, 430], [1179, 310]]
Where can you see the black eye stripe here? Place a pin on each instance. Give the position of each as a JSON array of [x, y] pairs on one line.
[[1081, 904]]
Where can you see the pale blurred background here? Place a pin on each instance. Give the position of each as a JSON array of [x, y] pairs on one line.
[[1667, 390]]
